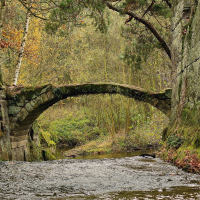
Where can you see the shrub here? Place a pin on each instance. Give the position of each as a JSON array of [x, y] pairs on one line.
[[174, 141]]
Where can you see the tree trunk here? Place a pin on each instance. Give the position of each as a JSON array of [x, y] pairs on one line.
[[2, 4], [5, 144], [21, 52]]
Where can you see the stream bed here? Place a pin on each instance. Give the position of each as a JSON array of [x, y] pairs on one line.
[[130, 177]]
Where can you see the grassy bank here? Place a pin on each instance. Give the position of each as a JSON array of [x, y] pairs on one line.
[[185, 157], [182, 148]]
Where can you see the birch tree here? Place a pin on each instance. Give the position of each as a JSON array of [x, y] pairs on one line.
[[21, 51]]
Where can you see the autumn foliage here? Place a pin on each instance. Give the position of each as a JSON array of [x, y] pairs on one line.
[[189, 162], [4, 44]]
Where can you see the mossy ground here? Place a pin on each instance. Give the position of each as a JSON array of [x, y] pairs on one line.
[[182, 148], [186, 158]]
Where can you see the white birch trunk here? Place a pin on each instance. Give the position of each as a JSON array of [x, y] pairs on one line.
[[21, 52]]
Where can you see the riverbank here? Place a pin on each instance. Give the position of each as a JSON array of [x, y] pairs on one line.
[[103, 144], [186, 158], [106, 147]]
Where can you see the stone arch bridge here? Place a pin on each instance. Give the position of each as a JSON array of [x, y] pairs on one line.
[[25, 104]]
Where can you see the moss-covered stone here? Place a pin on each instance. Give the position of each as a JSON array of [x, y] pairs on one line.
[[47, 155], [13, 110], [22, 114], [29, 107]]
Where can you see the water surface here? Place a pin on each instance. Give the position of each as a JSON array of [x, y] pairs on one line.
[[109, 178]]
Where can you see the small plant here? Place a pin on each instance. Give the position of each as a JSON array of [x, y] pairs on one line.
[[174, 141], [16, 97], [57, 92]]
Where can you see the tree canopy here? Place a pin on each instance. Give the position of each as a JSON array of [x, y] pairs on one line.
[[147, 20]]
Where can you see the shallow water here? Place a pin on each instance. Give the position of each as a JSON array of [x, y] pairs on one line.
[[109, 178]]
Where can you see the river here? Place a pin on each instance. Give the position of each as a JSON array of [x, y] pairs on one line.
[[130, 177]]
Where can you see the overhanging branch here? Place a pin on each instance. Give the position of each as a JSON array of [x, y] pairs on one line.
[[150, 26]]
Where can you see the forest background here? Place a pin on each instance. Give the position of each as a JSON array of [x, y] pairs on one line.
[[80, 53]]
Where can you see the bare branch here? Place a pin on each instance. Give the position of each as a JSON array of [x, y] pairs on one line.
[[149, 8], [30, 10], [129, 19], [168, 3], [146, 23], [167, 27]]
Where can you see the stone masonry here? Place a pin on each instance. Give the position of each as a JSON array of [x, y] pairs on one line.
[[25, 104]]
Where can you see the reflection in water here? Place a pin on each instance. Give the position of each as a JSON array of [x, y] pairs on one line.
[[109, 178], [111, 155], [180, 193], [185, 193]]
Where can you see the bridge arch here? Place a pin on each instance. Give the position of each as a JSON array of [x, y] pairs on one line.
[[25, 104]]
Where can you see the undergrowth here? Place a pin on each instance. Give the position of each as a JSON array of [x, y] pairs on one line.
[[75, 127]]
